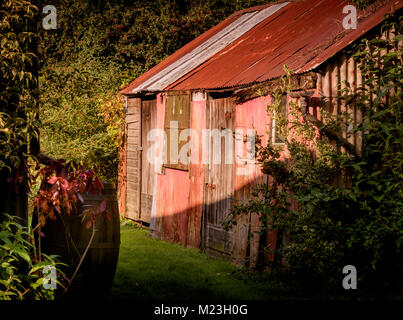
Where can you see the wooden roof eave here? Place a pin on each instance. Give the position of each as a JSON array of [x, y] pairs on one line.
[[304, 81], [140, 94]]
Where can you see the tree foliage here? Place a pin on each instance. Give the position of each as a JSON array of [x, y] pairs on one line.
[[18, 97], [21, 261], [98, 47]]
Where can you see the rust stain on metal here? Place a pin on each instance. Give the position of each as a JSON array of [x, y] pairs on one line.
[[301, 35]]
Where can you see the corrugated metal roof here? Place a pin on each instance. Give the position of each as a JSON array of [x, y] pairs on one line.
[[253, 45], [207, 49]]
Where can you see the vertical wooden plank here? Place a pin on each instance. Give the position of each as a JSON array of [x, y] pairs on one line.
[[207, 172], [196, 194], [319, 93], [326, 83], [351, 78], [149, 122], [133, 122], [249, 115], [122, 172], [219, 179], [157, 207], [334, 81], [342, 109], [122, 175], [172, 198], [139, 160]]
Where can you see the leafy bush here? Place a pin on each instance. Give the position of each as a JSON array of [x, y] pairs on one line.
[[377, 187], [22, 275], [74, 101], [18, 103]]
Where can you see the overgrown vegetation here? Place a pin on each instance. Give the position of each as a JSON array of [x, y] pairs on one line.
[[98, 47], [101, 45], [20, 269], [18, 81], [362, 4], [21, 259], [23, 274], [332, 207]]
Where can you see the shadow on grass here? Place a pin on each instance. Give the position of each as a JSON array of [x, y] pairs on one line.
[[151, 269]]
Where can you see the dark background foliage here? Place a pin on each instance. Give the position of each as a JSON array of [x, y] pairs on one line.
[[98, 47]]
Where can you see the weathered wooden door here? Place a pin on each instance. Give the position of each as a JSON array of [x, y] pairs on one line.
[[148, 122], [219, 176], [141, 118], [133, 155]]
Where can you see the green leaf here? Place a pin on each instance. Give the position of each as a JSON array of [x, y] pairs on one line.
[[39, 266], [398, 38], [23, 254]]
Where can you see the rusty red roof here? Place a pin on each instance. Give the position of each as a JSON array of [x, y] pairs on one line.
[[253, 45]]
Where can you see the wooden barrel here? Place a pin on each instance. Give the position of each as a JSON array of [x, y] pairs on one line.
[[96, 274]]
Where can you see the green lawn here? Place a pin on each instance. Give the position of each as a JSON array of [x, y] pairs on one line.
[[153, 269]]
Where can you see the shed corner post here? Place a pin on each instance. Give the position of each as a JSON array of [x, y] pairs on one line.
[[122, 169], [133, 166]]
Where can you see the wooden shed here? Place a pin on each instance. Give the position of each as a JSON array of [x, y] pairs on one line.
[[219, 85]]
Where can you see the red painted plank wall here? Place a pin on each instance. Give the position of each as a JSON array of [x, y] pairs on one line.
[[249, 115], [196, 196], [179, 194]]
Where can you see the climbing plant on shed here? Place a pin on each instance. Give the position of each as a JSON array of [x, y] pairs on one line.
[[347, 207]]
